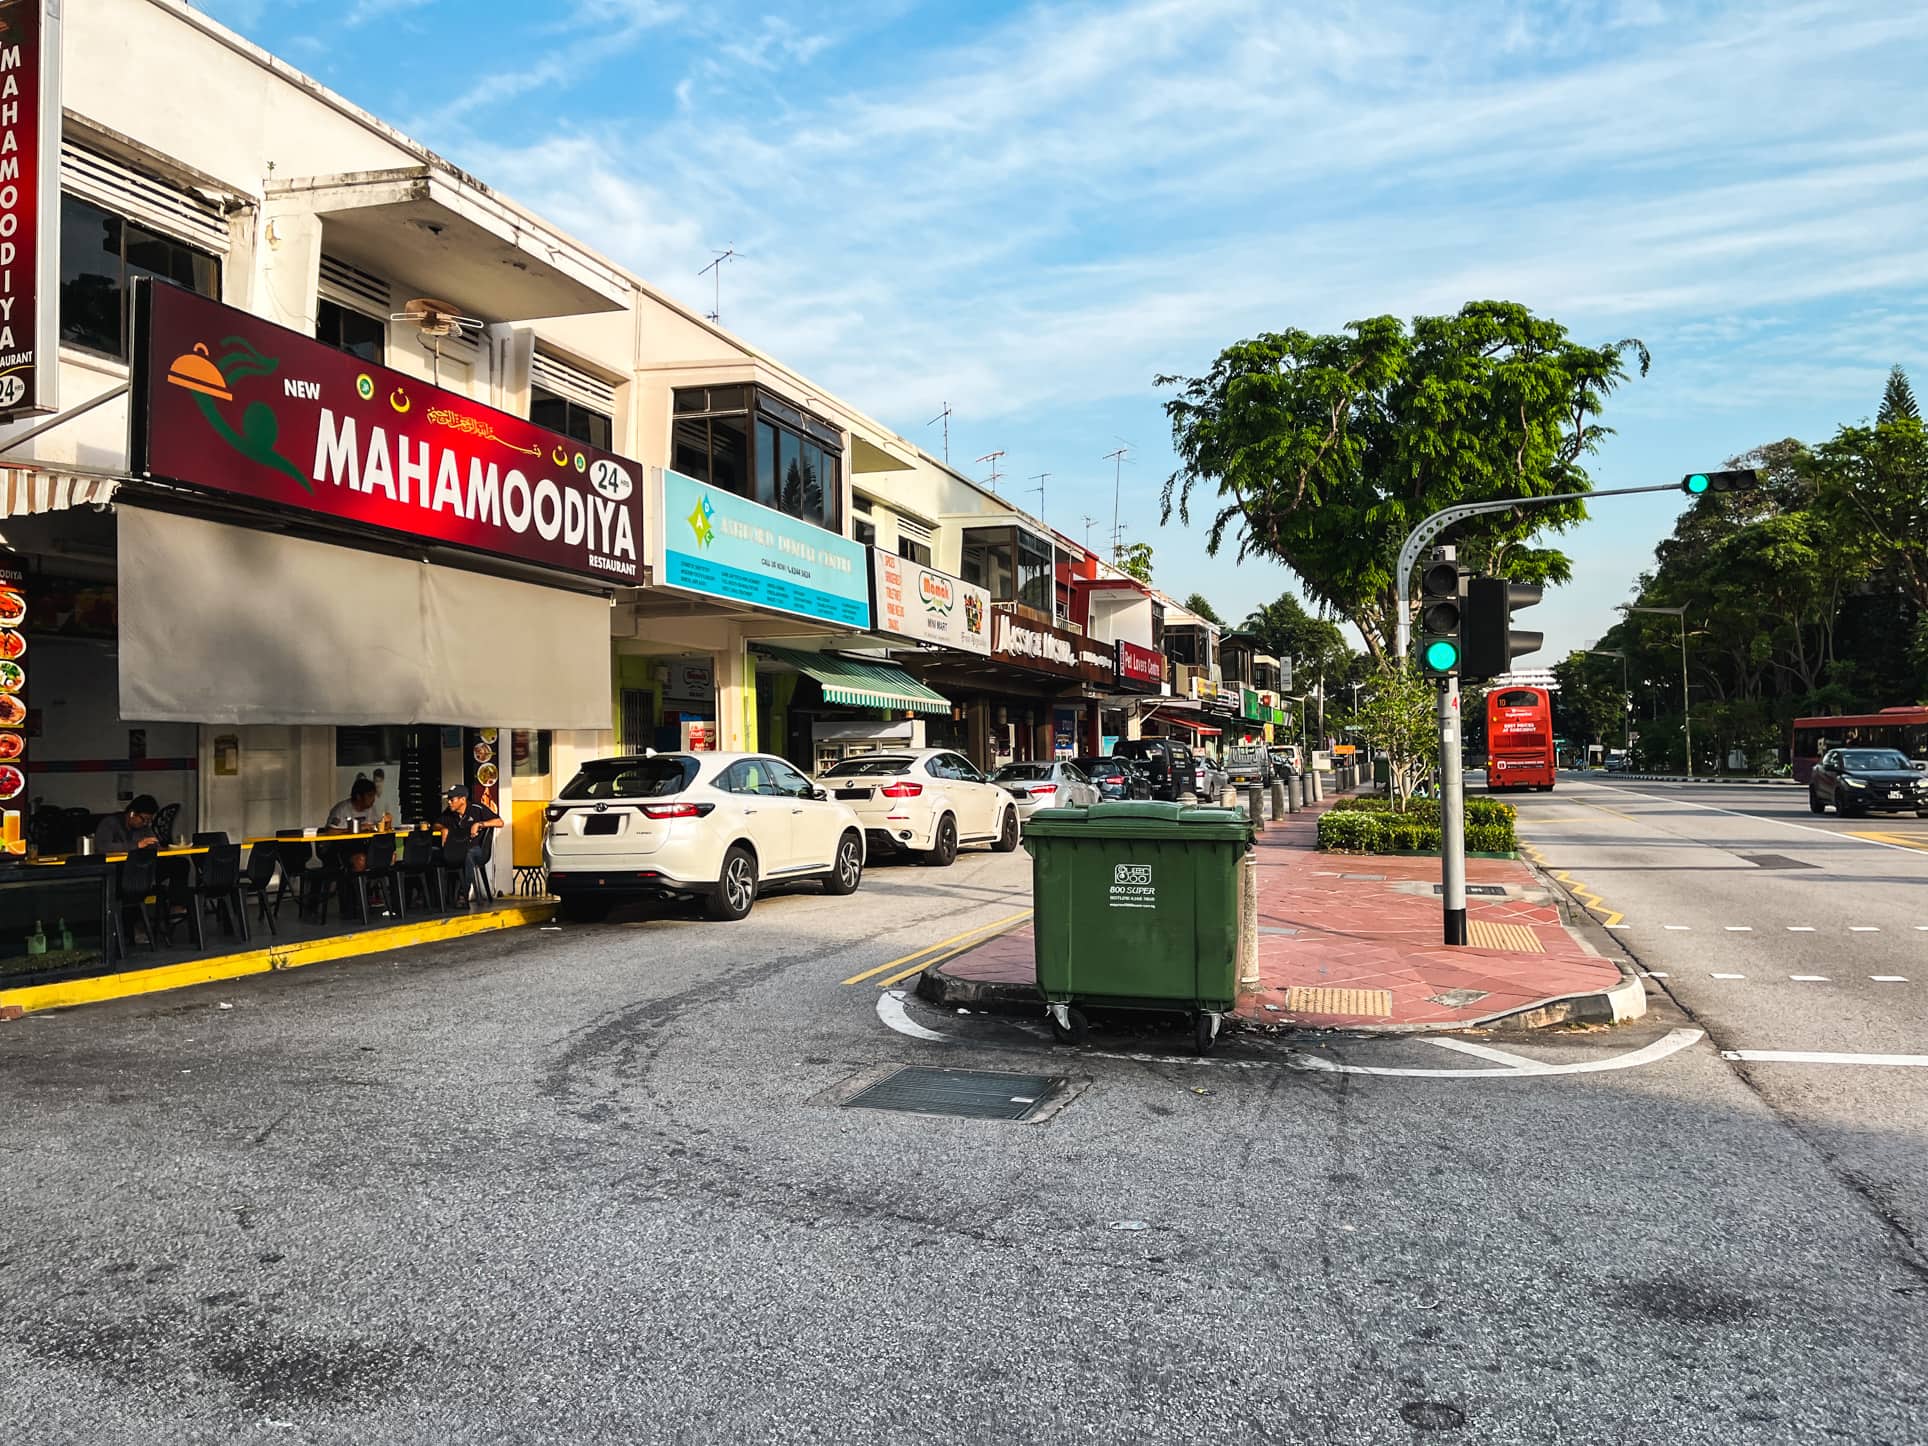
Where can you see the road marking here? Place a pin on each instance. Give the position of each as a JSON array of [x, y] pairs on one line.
[[1822, 1056], [1657, 974], [890, 1009], [1809, 978], [1727, 976], [1769, 818], [1895, 840], [1484, 1051], [1921, 928], [1889, 978], [1678, 928], [1629, 926], [937, 948], [1800, 928], [1738, 928], [1589, 900], [1863, 929]]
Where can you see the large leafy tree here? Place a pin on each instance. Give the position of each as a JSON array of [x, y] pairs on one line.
[[1134, 559], [1317, 646], [1324, 451], [1200, 606]]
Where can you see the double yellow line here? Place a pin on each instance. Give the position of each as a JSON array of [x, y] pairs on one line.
[[937, 953], [1589, 900]]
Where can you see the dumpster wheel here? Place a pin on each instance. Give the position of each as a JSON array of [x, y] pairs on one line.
[[1068, 1024], [1205, 1031]]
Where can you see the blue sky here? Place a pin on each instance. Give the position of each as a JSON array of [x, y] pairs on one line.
[[1029, 210]]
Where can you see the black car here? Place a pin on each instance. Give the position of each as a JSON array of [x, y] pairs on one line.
[[1172, 766], [1867, 780], [1117, 778]]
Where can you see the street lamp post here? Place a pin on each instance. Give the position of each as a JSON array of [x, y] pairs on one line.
[[1625, 686], [1686, 702]]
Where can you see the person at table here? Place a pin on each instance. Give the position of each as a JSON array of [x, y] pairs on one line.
[[356, 813], [133, 828], [470, 819]]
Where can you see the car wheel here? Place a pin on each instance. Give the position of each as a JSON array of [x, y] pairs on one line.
[[1814, 803], [1007, 837], [736, 887], [848, 871], [944, 852], [1846, 810], [584, 911]]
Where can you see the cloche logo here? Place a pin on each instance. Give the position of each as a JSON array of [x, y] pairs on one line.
[[699, 521], [935, 593]]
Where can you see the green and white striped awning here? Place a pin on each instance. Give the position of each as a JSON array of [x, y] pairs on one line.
[[862, 685]]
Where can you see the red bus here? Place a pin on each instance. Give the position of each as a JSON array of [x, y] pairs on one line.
[[1519, 739], [1904, 729]]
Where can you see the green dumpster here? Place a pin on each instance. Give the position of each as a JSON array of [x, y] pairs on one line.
[[1136, 906]]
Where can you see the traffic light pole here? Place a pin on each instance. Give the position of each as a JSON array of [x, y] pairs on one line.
[[1452, 815]]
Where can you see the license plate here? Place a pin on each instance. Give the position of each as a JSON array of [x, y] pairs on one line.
[[853, 793], [600, 823]]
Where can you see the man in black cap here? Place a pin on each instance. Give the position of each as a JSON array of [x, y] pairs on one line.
[[475, 822]]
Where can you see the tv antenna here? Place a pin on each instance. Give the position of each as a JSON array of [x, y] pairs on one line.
[[1040, 479], [1089, 520], [1117, 460], [715, 271], [433, 321], [993, 458], [944, 417]]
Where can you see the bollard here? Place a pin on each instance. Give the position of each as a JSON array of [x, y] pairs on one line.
[[1318, 786], [1255, 807], [1278, 798]]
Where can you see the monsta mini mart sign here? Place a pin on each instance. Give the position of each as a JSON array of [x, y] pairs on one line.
[[230, 403]]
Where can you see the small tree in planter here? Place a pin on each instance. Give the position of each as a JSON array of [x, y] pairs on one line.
[[1400, 717]]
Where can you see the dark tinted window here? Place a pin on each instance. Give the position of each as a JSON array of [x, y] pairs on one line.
[[1013, 772], [572, 419], [875, 766], [1873, 758], [354, 332], [1519, 699], [99, 253], [632, 778]]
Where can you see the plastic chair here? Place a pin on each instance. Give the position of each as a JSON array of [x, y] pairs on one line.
[[263, 862], [419, 867], [208, 840], [377, 872], [164, 823], [455, 866], [219, 885], [135, 879]]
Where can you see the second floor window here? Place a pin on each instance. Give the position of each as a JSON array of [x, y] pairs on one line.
[[571, 418], [739, 439], [100, 253], [354, 332], [913, 550]]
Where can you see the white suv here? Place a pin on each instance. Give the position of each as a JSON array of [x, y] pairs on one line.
[[716, 826], [924, 801]]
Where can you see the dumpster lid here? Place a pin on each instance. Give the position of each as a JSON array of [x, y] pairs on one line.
[[1169, 820]]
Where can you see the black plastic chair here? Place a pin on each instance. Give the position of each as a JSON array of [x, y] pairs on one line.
[[208, 840], [263, 862], [377, 874], [294, 854], [420, 867], [219, 886], [455, 866], [135, 879], [164, 823]]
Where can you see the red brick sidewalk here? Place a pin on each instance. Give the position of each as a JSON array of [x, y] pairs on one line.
[[1354, 943]]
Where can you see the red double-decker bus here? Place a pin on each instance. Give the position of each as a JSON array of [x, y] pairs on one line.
[[1519, 739]]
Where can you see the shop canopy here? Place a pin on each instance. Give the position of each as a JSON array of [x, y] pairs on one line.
[[1191, 724], [862, 685]]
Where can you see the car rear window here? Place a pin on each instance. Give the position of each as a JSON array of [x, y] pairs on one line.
[[1012, 771], [867, 767], [631, 778], [1872, 758], [1100, 767]]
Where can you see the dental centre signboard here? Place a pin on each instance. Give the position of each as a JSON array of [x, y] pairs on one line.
[[229, 403], [720, 545]]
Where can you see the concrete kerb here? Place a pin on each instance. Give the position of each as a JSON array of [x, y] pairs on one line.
[[1683, 778]]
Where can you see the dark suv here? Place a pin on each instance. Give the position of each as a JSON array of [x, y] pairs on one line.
[[1173, 770], [1868, 780], [1118, 779]]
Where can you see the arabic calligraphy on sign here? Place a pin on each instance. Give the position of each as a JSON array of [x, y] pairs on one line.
[[477, 426]]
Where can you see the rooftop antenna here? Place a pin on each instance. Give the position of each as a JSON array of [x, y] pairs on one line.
[[1117, 460], [433, 320], [992, 458], [944, 417], [1041, 478], [715, 270], [1089, 520]]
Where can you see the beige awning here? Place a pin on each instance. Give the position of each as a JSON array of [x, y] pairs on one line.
[[30, 491]]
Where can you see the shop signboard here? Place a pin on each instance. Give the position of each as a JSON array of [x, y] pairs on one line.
[[927, 606], [482, 766], [13, 697], [1043, 648], [1140, 669], [29, 206], [1251, 705], [721, 545], [230, 403]]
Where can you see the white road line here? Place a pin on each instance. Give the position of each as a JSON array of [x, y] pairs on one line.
[[1821, 1056], [1809, 978], [1873, 843], [1921, 928], [890, 1009], [1660, 974], [1889, 978], [1677, 928], [1863, 929], [1629, 926], [1800, 928], [1486, 1051], [1738, 928], [1727, 976]]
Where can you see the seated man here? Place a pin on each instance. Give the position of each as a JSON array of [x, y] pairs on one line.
[[132, 829], [356, 814], [475, 822]]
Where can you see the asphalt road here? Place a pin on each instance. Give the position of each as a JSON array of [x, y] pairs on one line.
[[595, 1185]]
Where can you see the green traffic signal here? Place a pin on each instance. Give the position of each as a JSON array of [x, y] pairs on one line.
[[1696, 483], [1736, 479], [1441, 655]]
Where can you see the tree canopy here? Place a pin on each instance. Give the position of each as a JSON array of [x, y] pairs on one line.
[[1324, 451], [1317, 646], [1898, 400], [1134, 559], [1201, 607]]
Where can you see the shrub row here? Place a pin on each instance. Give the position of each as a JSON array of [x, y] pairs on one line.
[[1478, 810], [1376, 831]]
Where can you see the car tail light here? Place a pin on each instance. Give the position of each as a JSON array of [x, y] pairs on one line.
[[676, 810], [901, 790], [1044, 788], [554, 812]]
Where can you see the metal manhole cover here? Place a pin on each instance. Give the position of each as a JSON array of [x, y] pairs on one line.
[[1486, 890], [967, 1093], [1774, 861]]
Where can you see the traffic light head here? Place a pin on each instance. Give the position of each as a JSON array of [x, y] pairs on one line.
[[1490, 641], [1742, 479], [1441, 587]]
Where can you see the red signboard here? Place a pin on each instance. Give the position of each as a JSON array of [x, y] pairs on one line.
[[29, 205], [1141, 670], [226, 401]]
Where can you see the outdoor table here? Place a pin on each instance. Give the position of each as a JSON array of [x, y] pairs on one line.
[[45, 860]]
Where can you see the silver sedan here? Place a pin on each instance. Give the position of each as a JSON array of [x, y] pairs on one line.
[[1045, 784]]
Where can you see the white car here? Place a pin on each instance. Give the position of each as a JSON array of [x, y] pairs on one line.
[[925, 801], [1046, 784], [715, 826]]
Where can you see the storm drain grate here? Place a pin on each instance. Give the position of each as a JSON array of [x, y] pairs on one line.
[[1359, 1003], [1484, 890], [967, 1093], [1774, 861]]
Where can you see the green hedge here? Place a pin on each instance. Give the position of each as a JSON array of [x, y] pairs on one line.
[[1349, 827]]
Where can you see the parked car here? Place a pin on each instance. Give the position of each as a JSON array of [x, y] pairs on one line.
[[1617, 761], [1209, 779], [1116, 779], [1248, 763], [716, 826], [924, 801], [1172, 765], [1046, 784], [1868, 780]]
